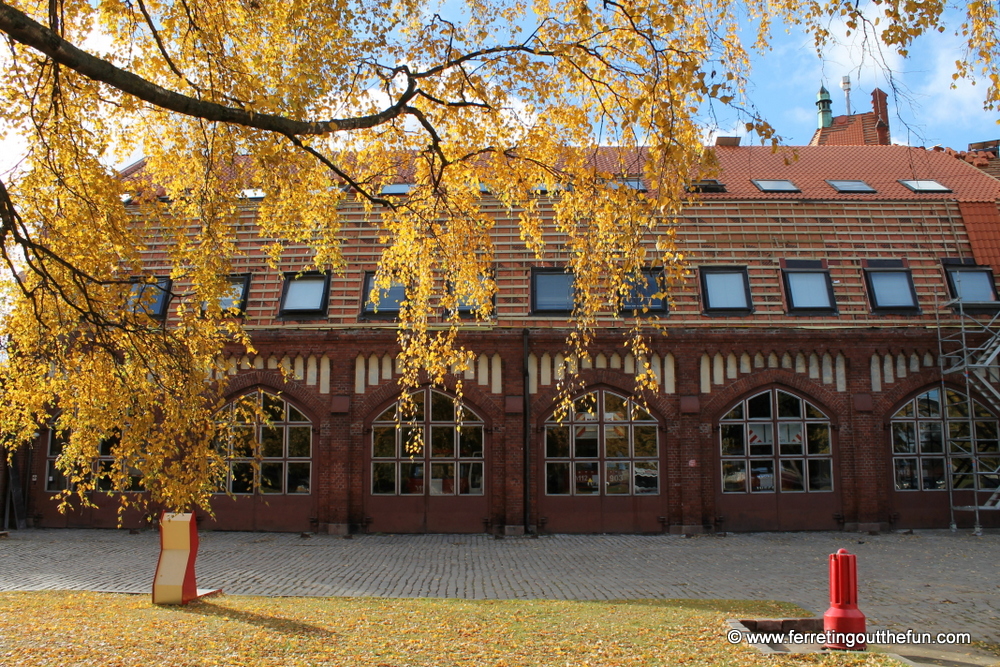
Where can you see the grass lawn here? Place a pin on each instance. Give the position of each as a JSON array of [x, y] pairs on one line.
[[106, 630]]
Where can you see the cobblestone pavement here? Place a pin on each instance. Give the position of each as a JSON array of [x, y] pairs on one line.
[[930, 581]]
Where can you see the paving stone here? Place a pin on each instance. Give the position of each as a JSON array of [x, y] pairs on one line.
[[930, 581]]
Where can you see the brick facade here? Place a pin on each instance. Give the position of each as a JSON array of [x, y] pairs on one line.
[[856, 366]]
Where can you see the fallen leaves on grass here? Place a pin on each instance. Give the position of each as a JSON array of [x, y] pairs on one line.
[[68, 628]]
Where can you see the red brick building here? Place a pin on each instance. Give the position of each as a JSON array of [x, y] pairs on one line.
[[800, 372]]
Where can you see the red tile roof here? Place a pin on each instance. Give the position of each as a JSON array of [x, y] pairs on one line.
[[982, 222], [881, 167]]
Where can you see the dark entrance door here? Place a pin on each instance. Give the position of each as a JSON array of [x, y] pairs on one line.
[[427, 468]]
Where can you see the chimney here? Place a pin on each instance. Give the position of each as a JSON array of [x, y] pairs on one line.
[[881, 110], [823, 103]]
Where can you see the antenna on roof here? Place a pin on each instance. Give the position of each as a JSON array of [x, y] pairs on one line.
[[845, 83]]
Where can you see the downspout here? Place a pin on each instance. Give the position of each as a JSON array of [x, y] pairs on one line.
[[526, 471]]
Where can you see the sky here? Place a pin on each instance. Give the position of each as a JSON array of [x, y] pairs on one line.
[[925, 110]]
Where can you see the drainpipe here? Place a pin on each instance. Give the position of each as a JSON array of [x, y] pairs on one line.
[[527, 433]]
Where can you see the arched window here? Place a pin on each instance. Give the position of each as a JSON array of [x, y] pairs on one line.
[[607, 445], [270, 448], [776, 442], [451, 449], [919, 431]]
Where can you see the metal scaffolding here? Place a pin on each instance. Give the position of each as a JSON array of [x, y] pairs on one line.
[[971, 347]]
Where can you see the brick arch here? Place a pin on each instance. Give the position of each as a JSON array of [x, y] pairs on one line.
[[304, 399], [830, 402], [381, 397], [603, 378]]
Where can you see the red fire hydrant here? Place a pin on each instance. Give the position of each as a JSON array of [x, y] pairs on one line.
[[843, 619]]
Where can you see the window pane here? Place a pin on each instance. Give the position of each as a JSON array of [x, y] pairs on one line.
[[585, 441], [645, 441], [973, 286], [471, 483], [304, 294], [892, 289], [818, 438], [647, 477], [762, 476], [930, 438], [442, 441], [384, 478], [725, 290], [792, 477], [761, 440], [295, 416], [56, 443], [640, 295], [299, 441], [585, 408], [298, 477], [557, 479], [54, 479], [384, 441], [759, 407], [470, 442], [389, 300], [905, 474], [735, 413], [929, 404], [553, 291], [958, 406], [243, 442], [411, 478], [734, 476], [808, 290], [614, 408], [961, 474], [903, 439], [790, 439], [442, 408], [732, 440], [588, 478], [241, 477], [932, 472], [274, 408], [271, 444], [557, 441], [618, 479], [409, 443], [442, 479], [616, 441], [820, 474], [271, 476], [789, 405]]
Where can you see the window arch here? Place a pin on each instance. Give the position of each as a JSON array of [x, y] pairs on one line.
[[773, 442], [607, 445], [923, 427], [448, 444], [269, 449]]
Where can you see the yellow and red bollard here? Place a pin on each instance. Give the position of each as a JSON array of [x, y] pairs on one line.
[[843, 618]]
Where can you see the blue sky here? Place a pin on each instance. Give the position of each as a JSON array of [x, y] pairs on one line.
[[924, 109]]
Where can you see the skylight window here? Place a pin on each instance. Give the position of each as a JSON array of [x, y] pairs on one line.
[[774, 185], [389, 300], [252, 193], [852, 186], [305, 294], [925, 186], [633, 182], [707, 186], [397, 188]]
